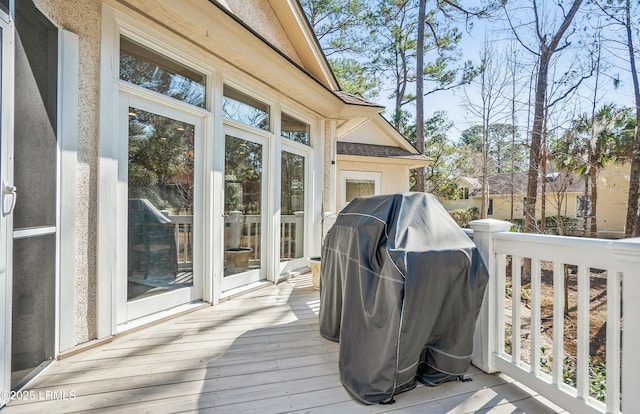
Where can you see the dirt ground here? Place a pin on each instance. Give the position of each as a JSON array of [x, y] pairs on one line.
[[597, 310]]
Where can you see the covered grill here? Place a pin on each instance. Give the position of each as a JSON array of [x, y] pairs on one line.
[[401, 287]]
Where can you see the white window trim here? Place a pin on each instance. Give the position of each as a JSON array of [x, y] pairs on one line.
[[218, 71], [115, 24], [358, 175]]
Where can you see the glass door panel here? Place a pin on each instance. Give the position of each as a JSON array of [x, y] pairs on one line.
[[160, 208], [292, 196], [160, 204], [243, 235]]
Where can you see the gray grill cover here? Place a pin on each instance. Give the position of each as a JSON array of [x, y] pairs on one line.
[[401, 287]]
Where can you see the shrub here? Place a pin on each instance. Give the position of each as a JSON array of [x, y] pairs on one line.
[[463, 217]]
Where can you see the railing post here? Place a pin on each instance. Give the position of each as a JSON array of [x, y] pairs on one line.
[[298, 240], [485, 336], [235, 229], [627, 256]]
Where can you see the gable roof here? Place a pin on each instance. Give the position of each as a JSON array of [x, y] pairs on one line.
[[381, 151], [500, 184], [356, 99]]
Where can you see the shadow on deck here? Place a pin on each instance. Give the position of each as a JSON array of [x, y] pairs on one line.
[[260, 352]]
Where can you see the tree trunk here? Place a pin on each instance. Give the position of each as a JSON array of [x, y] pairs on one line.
[[593, 178], [585, 217], [420, 92], [633, 224], [536, 139], [543, 179], [546, 51]]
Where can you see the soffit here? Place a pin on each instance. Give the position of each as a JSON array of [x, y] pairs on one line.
[[214, 33], [410, 163], [301, 36]]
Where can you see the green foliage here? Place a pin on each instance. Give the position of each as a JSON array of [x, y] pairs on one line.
[[160, 161], [354, 77], [570, 225], [440, 176], [595, 142], [463, 217], [341, 26], [553, 224], [597, 376], [525, 293]]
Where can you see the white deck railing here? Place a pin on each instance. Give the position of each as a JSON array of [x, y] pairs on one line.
[[291, 235], [620, 260], [183, 233]]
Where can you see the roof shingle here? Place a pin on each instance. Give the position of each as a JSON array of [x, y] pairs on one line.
[[380, 151]]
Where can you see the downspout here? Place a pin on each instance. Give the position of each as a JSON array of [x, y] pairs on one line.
[[333, 188]]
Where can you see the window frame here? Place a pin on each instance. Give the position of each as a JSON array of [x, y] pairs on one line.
[[345, 175]]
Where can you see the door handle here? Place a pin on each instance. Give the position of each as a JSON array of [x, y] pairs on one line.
[[8, 191]]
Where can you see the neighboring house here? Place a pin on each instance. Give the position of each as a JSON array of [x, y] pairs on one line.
[[165, 155], [565, 196]]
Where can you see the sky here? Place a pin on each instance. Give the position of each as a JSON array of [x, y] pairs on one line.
[[454, 102]]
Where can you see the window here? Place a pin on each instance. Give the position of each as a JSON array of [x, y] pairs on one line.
[[464, 193], [583, 206], [144, 67], [243, 108], [294, 130], [490, 207], [359, 184]]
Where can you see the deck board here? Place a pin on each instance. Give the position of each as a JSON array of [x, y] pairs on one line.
[[260, 352]]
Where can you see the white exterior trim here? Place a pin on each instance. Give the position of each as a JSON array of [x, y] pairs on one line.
[[6, 177], [218, 73], [358, 175], [68, 65]]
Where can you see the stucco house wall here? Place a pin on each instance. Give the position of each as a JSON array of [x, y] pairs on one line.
[[394, 177], [83, 18], [613, 193]]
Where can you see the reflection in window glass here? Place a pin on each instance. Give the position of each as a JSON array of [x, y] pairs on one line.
[[242, 205], [359, 188], [292, 206], [294, 130], [243, 108], [144, 67], [583, 208], [160, 207]]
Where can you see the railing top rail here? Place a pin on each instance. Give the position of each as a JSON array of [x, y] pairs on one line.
[[597, 253], [178, 219]]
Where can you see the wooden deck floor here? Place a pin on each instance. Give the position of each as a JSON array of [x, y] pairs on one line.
[[258, 353]]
